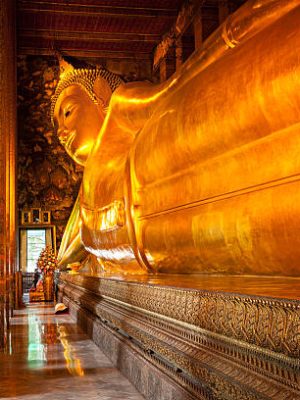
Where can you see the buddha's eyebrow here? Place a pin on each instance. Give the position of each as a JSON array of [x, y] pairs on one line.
[[72, 98], [60, 111], [62, 106]]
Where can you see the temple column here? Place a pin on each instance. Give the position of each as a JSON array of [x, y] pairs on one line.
[[168, 65], [223, 10], [163, 70], [178, 53], [165, 49], [7, 163], [198, 28]]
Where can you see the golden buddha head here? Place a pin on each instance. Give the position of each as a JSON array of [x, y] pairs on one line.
[[79, 105]]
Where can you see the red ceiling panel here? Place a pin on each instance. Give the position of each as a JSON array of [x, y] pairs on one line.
[[34, 26], [130, 27]]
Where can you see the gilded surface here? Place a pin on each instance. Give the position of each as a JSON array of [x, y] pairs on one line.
[[273, 324], [206, 164]]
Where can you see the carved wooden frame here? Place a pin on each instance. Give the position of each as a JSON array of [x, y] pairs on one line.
[[36, 216], [25, 217], [46, 217]]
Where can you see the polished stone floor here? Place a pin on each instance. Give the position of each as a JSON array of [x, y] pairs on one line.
[[49, 357]]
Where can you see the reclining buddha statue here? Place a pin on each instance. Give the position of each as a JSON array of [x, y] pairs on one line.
[[198, 174]]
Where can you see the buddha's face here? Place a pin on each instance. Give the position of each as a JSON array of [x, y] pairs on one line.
[[78, 120]]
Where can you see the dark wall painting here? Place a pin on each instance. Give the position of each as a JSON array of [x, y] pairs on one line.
[[47, 176]]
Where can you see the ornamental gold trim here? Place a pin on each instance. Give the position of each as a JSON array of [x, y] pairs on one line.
[[229, 368], [271, 324]]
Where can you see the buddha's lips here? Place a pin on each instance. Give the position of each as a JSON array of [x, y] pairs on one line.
[[68, 140]]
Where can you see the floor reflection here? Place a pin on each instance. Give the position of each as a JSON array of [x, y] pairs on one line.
[[72, 361], [49, 357]]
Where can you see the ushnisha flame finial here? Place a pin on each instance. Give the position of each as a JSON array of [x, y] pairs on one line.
[[64, 66]]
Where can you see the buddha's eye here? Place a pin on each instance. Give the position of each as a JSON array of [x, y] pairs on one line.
[[67, 113]]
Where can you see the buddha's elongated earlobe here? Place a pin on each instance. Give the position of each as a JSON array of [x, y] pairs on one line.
[[102, 91]]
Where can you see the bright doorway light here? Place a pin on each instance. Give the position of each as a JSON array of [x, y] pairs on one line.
[[36, 242]]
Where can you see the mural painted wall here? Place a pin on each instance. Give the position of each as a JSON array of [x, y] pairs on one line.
[[47, 176]]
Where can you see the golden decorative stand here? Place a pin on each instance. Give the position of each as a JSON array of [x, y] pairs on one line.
[[48, 284], [36, 296]]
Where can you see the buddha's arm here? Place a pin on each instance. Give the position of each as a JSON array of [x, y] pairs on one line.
[[71, 249], [74, 253], [132, 104]]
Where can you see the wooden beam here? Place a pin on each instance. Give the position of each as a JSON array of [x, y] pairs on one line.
[[118, 55], [88, 36], [93, 10]]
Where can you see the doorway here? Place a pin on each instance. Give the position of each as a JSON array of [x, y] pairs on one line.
[[33, 240]]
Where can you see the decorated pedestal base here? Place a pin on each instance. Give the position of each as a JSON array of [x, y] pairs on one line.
[[47, 263], [48, 287], [36, 296], [190, 343]]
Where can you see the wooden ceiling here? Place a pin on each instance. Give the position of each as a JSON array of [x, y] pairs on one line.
[[115, 29], [105, 28]]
